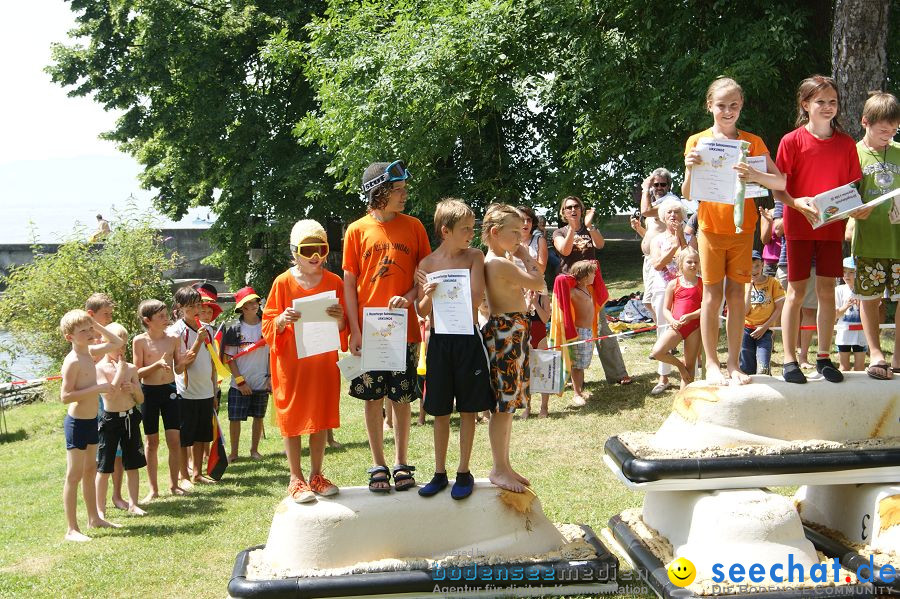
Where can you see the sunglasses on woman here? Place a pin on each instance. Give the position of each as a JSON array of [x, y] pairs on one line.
[[311, 250]]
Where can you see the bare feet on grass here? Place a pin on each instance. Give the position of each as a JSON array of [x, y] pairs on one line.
[[203, 480], [332, 442], [103, 523], [256, 456], [179, 491], [136, 511], [150, 497], [506, 480], [525, 413], [578, 400], [120, 503], [232, 458], [77, 536], [543, 413]]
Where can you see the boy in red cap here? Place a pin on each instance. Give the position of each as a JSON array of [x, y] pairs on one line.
[[244, 348]]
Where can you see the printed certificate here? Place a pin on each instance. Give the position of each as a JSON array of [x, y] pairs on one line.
[[452, 301], [837, 204], [384, 339], [350, 367], [755, 190], [546, 371], [316, 332], [714, 179]]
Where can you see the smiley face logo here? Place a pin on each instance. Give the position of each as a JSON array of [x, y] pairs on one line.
[[682, 572]]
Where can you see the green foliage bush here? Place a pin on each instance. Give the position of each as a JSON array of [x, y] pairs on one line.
[[129, 267]]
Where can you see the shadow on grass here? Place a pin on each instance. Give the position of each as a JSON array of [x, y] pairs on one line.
[[192, 525], [612, 399], [19, 435]]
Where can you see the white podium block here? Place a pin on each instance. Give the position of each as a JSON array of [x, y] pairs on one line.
[[865, 514], [741, 526], [359, 526], [770, 411]]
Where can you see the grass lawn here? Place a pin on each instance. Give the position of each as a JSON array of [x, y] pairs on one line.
[[186, 547]]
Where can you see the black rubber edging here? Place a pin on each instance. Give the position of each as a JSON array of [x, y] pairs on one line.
[[601, 569], [658, 578], [851, 560], [639, 470]]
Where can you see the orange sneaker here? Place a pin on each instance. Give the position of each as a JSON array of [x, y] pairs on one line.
[[322, 486], [300, 492]]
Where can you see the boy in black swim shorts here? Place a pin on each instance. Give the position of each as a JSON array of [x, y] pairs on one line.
[[456, 363], [154, 353], [119, 423]]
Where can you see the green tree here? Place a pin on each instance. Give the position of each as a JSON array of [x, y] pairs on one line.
[[208, 118], [537, 99], [129, 267]]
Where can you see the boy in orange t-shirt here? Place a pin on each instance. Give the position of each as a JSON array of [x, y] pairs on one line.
[[381, 252]]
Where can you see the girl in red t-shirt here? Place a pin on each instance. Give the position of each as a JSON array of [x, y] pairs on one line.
[[816, 156]]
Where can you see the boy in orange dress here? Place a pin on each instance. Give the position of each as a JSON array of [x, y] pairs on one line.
[[306, 390]]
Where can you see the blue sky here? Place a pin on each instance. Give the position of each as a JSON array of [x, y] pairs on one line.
[[54, 170]]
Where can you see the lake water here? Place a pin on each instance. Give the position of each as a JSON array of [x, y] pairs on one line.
[[25, 366]]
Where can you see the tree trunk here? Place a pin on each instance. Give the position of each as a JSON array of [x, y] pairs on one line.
[[859, 55]]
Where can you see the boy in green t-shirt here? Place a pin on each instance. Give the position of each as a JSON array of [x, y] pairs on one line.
[[876, 237], [765, 299]]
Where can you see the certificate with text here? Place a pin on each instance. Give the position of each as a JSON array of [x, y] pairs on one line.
[[714, 179], [755, 190], [452, 301], [836, 204], [316, 332], [384, 339]]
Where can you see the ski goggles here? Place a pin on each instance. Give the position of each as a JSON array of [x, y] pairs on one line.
[[311, 250], [395, 171]]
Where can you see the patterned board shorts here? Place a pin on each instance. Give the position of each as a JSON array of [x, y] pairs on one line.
[[241, 406], [506, 337], [583, 352], [396, 386], [875, 276]]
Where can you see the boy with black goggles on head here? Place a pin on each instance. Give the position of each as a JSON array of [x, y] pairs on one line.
[[381, 252]]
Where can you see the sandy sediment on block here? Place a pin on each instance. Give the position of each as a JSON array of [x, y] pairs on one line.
[[575, 548], [641, 445], [879, 558], [660, 547]]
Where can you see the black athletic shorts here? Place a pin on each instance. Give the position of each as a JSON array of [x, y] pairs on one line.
[[851, 349], [457, 367], [196, 421], [120, 429], [160, 400]]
